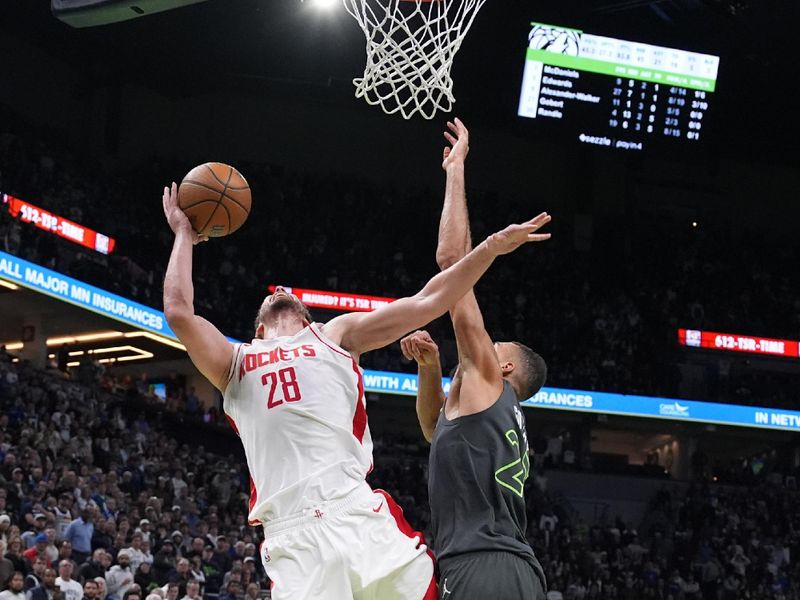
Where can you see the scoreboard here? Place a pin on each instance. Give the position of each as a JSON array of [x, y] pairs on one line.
[[616, 93]]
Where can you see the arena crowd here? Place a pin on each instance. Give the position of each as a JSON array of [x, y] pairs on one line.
[[98, 500], [604, 310]]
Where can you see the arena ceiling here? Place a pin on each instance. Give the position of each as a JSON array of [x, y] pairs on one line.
[[86, 332], [291, 47]]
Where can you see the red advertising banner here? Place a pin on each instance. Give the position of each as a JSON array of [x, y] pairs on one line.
[[337, 300], [738, 343], [30, 213]]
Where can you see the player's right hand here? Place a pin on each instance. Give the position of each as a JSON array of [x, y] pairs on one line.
[[420, 347], [177, 219], [513, 236]]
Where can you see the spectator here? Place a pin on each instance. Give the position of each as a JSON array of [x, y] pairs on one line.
[[164, 561], [70, 588], [79, 534], [181, 575], [231, 591], [96, 567], [171, 591], [144, 577], [5, 520], [65, 553], [250, 570], [253, 592], [52, 551], [119, 578], [6, 567], [16, 588], [34, 578], [135, 553], [30, 537], [132, 595], [91, 591], [103, 536], [47, 589], [102, 589], [222, 557], [63, 514], [14, 554], [39, 550], [147, 556]]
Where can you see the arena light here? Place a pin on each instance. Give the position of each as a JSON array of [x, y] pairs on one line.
[[156, 338], [86, 337], [8, 284], [137, 354], [324, 4], [101, 335]]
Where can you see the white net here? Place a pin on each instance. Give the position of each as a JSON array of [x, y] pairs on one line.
[[410, 49]]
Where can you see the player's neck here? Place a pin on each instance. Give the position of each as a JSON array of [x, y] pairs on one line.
[[283, 325]]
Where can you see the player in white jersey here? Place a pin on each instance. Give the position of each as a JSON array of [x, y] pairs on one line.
[[296, 398]]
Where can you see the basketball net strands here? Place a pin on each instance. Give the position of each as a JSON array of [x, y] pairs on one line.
[[411, 45]]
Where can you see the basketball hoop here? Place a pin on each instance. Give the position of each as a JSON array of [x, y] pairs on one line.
[[411, 45]]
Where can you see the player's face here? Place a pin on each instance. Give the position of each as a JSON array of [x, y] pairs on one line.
[[280, 297], [281, 300]]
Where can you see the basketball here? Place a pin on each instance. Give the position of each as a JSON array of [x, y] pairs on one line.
[[216, 198]]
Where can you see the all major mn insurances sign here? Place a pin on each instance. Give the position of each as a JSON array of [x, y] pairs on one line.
[[62, 287], [648, 407], [666, 408], [83, 295]]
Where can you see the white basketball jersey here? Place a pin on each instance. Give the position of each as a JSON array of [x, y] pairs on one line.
[[297, 403]]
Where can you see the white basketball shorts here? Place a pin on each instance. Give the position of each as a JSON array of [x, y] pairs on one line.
[[358, 547]]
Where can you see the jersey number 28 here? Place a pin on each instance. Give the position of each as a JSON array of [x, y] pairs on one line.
[[289, 389]]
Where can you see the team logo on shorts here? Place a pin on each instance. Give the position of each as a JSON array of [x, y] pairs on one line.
[[445, 591]]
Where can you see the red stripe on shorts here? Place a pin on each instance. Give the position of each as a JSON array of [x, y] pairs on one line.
[[405, 527]]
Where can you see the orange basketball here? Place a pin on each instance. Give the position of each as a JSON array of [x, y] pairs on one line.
[[216, 198]]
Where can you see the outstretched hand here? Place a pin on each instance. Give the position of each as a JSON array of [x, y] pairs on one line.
[[420, 347], [457, 152], [513, 236], [177, 219]]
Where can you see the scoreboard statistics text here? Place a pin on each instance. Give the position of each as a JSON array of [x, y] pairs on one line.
[[616, 93]]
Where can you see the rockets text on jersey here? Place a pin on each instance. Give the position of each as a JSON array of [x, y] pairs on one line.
[[297, 403]]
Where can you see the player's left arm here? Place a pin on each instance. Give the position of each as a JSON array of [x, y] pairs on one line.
[[479, 369], [430, 396], [362, 332]]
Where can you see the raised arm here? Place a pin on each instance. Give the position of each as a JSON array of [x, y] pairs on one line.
[[210, 352], [361, 332], [454, 236], [475, 347], [479, 368], [430, 397]]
